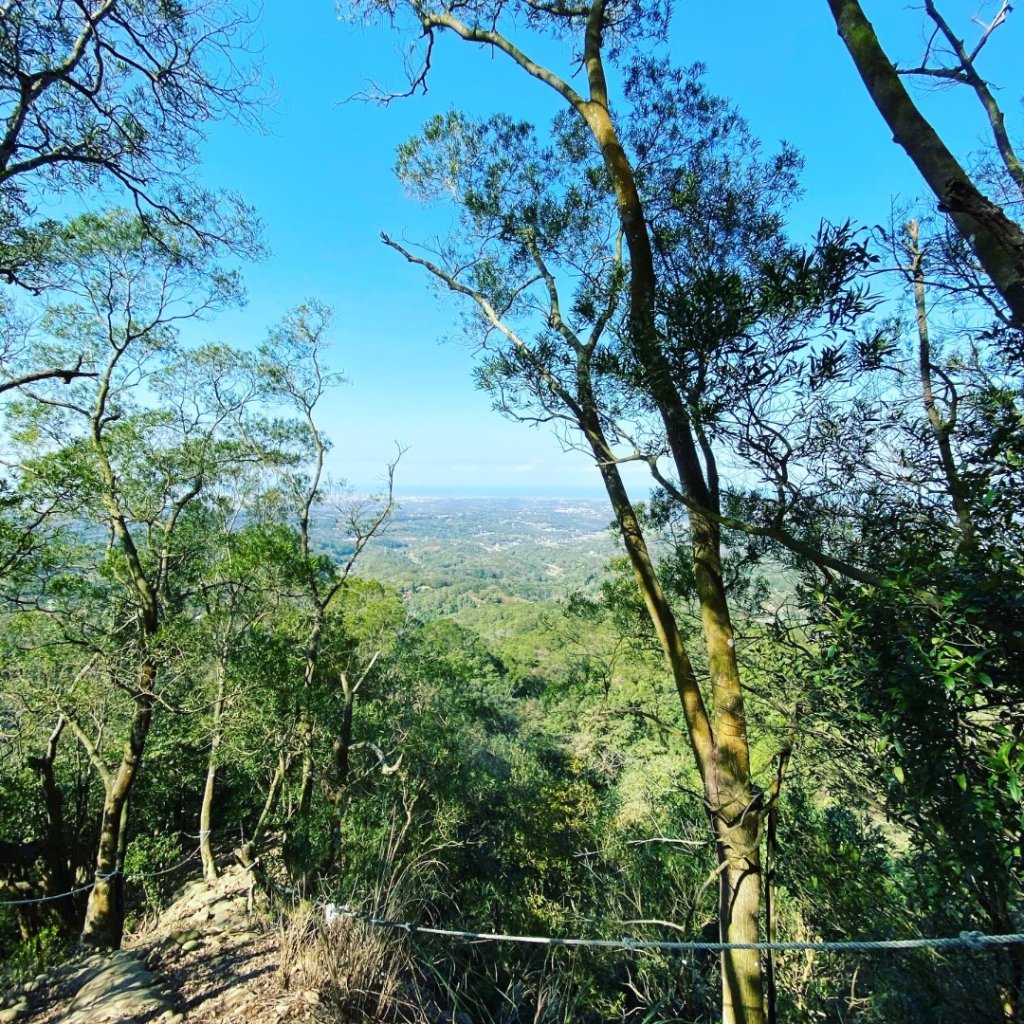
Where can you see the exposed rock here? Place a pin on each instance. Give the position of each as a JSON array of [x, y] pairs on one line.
[[206, 948], [122, 989]]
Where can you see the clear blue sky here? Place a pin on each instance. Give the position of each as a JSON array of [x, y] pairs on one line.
[[322, 182]]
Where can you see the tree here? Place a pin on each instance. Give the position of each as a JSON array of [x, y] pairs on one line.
[[930, 658], [662, 353], [250, 562], [132, 450], [115, 96], [996, 239], [292, 362]]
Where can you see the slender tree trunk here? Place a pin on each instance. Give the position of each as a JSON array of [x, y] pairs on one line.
[[342, 746], [122, 834], [653, 595], [104, 914], [942, 426], [246, 852], [305, 731], [212, 764], [342, 761], [58, 862], [722, 755], [206, 813], [305, 723]]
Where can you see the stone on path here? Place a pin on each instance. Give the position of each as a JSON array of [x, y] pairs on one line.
[[120, 990]]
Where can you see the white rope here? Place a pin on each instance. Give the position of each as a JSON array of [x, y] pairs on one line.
[[138, 877], [134, 877], [965, 940], [46, 899]]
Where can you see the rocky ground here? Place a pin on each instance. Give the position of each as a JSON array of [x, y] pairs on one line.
[[208, 957]]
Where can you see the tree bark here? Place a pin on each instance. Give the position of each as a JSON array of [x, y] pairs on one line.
[[739, 908], [210, 786], [104, 915], [997, 241], [58, 861]]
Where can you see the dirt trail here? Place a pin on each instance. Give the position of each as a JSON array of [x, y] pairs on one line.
[[206, 958]]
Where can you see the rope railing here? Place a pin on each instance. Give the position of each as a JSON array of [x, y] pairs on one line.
[[967, 940], [970, 940], [46, 899], [135, 876]]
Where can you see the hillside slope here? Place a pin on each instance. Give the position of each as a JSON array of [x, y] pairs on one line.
[[206, 958]]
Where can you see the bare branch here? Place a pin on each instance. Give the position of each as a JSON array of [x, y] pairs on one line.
[[499, 42], [992, 110]]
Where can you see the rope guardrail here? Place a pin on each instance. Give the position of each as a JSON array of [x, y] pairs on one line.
[[965, 940], [135, 876], [46, 899], [969, 940]]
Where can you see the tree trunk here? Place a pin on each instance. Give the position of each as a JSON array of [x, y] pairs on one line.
[[722, 755], [739, 907], [338, 786], [104, 920], [104, 914], [305, 723], [997, 241], [58, 862], [942, 426], [206, 812], [247, 850], [306, 774], [209, 789]]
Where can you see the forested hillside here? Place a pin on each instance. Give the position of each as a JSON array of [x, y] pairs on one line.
[[765, 690]]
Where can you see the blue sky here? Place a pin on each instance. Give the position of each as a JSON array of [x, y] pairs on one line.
[[321, 179]]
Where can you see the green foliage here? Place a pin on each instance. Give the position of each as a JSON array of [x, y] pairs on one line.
[[475, 728], [79, 123], [46, 949]]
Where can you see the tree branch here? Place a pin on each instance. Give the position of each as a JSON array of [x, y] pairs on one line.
[[64, 375]]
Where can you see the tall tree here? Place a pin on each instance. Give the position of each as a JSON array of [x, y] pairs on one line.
[[130, 449], [292, 360], [722, 752], [727, 307]]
